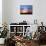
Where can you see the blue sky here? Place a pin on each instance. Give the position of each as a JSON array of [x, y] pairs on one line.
[[29, 7]]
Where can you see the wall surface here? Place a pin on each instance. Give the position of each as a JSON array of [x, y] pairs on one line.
[[4, 11], [12, 6], [0, 13], [16, 15]]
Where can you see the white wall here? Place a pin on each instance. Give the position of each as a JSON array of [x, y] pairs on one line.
[[16, 16], [11, 7], [0, 13], [4, 11]]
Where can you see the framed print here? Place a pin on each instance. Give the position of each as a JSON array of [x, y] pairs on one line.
[[25, 9]]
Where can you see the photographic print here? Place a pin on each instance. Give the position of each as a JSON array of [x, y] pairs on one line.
[[25, 9]]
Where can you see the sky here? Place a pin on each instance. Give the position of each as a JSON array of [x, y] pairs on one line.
[[26, 7]]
